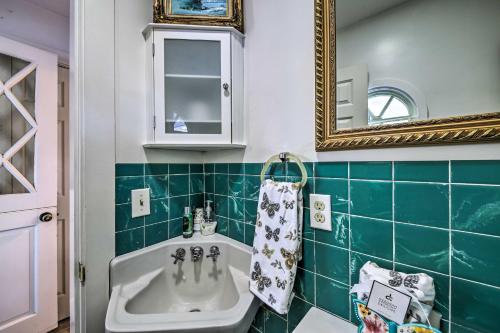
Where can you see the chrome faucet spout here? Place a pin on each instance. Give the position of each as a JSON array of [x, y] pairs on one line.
[[196, 253]]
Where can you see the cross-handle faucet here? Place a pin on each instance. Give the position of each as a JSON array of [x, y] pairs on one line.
[[196, 253], [180, 253], [214, 253]]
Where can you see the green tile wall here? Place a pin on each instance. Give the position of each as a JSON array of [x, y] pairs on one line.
[[441, 218], [172, 187]]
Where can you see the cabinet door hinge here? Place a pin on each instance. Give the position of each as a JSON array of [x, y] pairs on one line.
[[153, 49], [81, 273]]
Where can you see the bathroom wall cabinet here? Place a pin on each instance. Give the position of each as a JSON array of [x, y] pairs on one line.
[[195, 87]]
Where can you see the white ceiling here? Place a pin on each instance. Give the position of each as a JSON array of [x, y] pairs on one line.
[[348, 11], [352, 11], [60, 7]]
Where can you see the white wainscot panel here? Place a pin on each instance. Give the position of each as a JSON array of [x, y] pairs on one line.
[[16, 273]]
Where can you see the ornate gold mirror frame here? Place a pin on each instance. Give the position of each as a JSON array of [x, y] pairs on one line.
[[453, 130]]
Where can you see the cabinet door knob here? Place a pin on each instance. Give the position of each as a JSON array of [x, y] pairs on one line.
[[46, 217], [225, 86]]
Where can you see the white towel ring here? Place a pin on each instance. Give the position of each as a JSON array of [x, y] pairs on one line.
[[285, 157]]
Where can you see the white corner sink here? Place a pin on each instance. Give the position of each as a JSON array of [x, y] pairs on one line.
[[149, 293]]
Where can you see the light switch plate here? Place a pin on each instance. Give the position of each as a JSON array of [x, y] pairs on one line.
[[321, 211], [140, 202]]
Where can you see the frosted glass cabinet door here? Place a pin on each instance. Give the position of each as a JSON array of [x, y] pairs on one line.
[[194, 97]]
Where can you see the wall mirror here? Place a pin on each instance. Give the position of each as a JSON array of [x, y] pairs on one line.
[[406, 72]]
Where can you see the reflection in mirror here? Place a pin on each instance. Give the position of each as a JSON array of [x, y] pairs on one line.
[[400, 61]]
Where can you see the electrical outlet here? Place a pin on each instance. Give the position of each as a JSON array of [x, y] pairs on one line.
[[319, 205], [320, 211], [140, 202], [319, 217]]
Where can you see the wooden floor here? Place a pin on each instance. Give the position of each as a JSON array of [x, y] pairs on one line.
[[63, 327]]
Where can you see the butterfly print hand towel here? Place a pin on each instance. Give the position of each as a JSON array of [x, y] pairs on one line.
[[278, 239]]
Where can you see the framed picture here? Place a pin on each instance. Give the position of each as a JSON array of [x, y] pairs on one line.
[[200, 12]]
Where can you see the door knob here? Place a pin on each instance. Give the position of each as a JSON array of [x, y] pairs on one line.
[[225, 86], [46, 217]]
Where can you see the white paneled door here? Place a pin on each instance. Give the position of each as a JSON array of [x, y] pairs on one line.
[[63, 194], [352, 97], [28, 188]]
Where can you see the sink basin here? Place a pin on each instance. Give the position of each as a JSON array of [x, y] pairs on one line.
[[149, 293]]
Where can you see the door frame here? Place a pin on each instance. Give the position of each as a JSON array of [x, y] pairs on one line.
[[76, 302], [92, 159]]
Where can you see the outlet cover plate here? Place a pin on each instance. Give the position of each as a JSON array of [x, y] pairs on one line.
[[321, 211], [140, 202]]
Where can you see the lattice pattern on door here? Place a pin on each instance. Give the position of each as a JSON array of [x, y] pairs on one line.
[[15, 137]]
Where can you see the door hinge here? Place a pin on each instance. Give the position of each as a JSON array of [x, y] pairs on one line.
[[153, 49], [154, 122], [81, 273]]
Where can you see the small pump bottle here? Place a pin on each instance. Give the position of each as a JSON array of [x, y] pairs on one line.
[[209, 213]]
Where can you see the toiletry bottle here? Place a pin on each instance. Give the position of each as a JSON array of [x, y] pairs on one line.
[[187, 223], [209, 213], [198, 219]]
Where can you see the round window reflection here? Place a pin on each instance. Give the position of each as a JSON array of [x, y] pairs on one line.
[[388, 105]]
